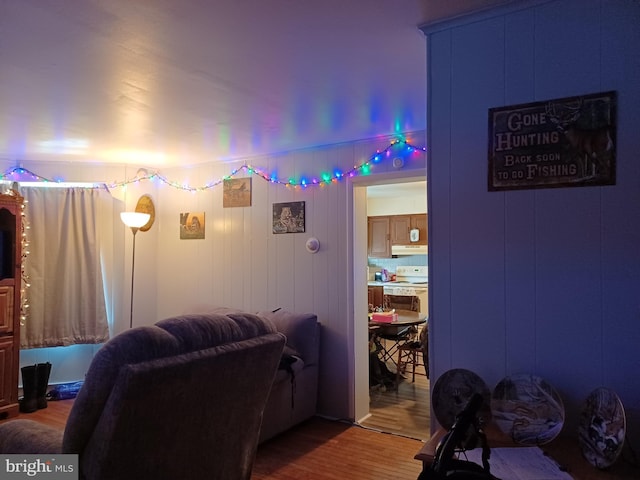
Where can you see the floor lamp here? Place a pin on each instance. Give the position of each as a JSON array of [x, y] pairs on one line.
[[134, 220]]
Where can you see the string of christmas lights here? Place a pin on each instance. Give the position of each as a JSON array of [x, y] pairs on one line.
[[24, 302], [325, 178]]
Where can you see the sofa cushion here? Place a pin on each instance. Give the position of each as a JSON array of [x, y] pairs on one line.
[[301, 330], [197, 331]]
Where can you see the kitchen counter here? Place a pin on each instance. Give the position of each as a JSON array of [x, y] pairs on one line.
[[373, 283]]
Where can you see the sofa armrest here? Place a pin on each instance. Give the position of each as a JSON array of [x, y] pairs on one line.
[[302, 331], [27, 436]]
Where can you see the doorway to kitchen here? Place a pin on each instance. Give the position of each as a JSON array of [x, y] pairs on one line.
[[402, 408]]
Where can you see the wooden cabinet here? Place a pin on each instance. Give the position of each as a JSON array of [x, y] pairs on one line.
[[401, 226], [379, 245], [375, 296], [385, 231], [420, 222], [10, 286]]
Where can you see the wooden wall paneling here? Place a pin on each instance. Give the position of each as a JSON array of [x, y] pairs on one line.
[[229, 245], [258, 297], [172, 266], [168, 204], [322, 225], [329, 282], [519, 62], [519, 208], [240, 250], [206, 251], [621, 205], [305, 271], [439, 199], [568, 296], [567, 47], [167, 217], [477, 226], [269, 276], [336, 329], [213, 288], [284, 251], [568, 247], [195, 252]]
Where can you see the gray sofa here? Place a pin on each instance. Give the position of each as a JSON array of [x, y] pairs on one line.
[[181, 399], [289, 403]]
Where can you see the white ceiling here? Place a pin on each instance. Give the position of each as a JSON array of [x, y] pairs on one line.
[[181, 82], [395, 190]]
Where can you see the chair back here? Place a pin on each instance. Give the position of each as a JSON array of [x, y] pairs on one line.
[[181, 399]]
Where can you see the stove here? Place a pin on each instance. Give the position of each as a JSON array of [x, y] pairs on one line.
[[410, 288], [412, 274]]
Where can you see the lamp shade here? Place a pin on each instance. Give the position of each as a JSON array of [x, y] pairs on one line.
[[134, 219]]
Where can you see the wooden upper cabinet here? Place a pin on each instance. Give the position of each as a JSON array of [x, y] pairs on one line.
[[419, 221], [379, 245], [401, 226], [388, 230]]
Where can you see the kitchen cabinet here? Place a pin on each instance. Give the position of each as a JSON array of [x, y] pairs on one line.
[[401, 226], [385, 231], [10, 286], [375, 295], [379, 244], [399, 229], [420, 222]]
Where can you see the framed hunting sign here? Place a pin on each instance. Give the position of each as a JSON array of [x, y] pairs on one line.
[[566, 142]]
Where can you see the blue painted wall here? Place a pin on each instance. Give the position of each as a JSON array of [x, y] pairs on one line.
[[538, 281]]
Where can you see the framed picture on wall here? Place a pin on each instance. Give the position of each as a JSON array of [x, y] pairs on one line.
[[191, 226], [236, 192], [288, 217]]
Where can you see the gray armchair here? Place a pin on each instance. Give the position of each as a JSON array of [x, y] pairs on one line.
[[181, 399]]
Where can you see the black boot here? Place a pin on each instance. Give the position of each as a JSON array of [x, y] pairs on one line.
[[29, 403], [42, 373]]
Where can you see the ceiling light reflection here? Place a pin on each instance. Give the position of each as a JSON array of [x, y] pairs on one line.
[[71, 146], [135, 156]]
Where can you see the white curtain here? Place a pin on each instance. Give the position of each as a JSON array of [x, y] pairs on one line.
[[66, 296]]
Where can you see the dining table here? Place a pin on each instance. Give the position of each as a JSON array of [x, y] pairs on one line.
[[387, 336], [405, 318]]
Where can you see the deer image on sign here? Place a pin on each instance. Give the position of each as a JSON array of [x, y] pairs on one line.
[[555, 143]]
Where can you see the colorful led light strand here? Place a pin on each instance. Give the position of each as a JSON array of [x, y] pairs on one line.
[[324, 178]]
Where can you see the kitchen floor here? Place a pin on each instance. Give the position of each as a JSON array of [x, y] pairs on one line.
[[405, 411]]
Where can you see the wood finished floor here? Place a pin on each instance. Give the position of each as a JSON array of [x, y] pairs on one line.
[[318, 449], [405, 411]]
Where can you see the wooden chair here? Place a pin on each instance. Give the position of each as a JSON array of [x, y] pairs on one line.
[[414, 353]]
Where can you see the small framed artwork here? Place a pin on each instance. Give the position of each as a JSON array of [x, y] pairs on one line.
[[191, 226], [236, 192], [288, 217]]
